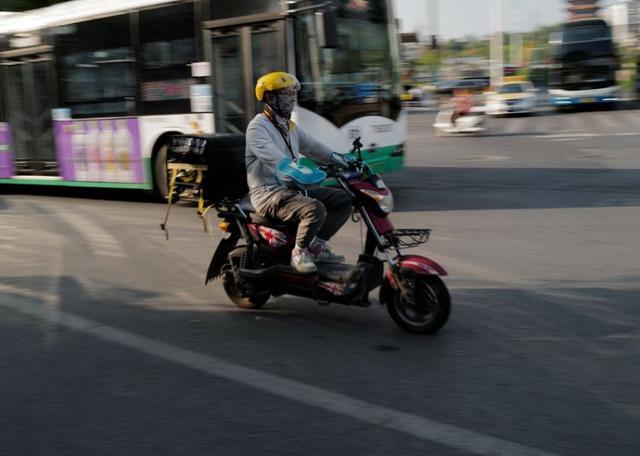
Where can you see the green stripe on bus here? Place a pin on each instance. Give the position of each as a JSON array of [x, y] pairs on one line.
[[62, 183], [381, 161]]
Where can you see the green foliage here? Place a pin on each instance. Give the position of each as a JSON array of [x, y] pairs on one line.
[[472, 46], [430, 59]]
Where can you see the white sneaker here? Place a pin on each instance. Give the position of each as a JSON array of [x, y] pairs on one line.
[[322, 253], [302, 262]]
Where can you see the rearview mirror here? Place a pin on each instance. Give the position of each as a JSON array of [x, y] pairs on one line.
[[327, 28]]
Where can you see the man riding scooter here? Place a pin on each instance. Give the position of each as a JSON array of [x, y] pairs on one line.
[[462, 103], [459, 116], [272, 139]]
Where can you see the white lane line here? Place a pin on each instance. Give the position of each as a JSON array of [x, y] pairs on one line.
[[100, 240], [413, 425], [572, 135]]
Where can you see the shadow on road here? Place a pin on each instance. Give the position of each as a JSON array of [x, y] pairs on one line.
[[503, 347], [449, 188]]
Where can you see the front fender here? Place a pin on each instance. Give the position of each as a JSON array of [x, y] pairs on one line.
[[421, 265]]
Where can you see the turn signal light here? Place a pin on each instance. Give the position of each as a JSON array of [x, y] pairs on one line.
[[224, 226]]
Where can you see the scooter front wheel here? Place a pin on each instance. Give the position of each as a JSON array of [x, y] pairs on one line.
[[428, 309]]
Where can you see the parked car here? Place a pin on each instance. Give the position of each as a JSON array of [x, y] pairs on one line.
[[416, 96]]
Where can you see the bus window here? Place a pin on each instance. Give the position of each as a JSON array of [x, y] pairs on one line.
[[166, 52], [225, 10], [357, 77], [96, 67], [588, 33]]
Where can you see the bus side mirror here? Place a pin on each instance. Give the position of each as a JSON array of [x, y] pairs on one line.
[[327, 28]]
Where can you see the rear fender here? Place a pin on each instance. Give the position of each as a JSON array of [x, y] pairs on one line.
[[419, 264], [220, 255]]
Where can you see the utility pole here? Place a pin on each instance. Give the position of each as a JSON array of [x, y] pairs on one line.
[[432, 18], [516, 45], [516, 39], [497, 27]]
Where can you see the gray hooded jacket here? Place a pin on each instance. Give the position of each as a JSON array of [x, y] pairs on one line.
[[266, 148]]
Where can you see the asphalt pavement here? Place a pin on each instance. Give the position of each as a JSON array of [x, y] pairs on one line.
[[112, 345]]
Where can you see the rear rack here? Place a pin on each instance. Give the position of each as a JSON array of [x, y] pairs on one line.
[[407, 237]]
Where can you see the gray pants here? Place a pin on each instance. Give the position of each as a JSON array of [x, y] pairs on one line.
[[322, 213]]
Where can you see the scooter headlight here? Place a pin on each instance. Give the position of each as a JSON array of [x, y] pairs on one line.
[[385, 201]]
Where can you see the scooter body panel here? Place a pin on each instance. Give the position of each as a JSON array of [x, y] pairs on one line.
[[338, 283]]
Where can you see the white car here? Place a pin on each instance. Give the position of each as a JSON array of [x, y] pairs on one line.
[[512, 98]]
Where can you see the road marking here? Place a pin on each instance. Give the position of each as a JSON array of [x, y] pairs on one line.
[[580, 136], [570, 135], [483, 158], [413, 425], [100, 240]]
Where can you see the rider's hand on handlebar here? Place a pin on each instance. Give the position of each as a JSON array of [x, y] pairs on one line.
[[341, 161]]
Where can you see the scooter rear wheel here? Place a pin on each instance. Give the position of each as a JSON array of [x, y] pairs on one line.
[[426, 313], [245, 299], [240, 299]]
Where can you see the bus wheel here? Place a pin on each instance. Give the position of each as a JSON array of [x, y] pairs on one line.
[[161, 179]]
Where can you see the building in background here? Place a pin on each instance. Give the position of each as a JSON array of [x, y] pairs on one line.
[[410, 47], [582, 9], [624, 19]]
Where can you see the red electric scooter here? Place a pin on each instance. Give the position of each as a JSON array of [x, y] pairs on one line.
[[253, 258]]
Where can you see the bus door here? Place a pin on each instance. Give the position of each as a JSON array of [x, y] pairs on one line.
[[27, 101], [239, 54]]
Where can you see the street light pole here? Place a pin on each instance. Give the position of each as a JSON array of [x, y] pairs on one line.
[[496, 64], [432, 17]]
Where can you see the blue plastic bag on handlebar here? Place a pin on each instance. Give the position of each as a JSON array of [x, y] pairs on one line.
[[293, 174]]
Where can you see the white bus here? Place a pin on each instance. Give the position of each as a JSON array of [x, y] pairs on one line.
[[92, 90]]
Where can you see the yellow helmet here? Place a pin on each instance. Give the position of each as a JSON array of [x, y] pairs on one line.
[[276, 80]]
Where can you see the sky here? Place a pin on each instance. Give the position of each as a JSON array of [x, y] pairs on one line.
[[460, 18]]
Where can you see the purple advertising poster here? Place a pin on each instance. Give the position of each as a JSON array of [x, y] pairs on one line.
[[6, 157], [99, 150]]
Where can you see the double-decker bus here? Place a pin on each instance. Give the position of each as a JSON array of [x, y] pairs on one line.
[[584, 64], [92, 90]]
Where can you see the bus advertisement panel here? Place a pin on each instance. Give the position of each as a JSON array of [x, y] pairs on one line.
[[91, 91], [105, 150]]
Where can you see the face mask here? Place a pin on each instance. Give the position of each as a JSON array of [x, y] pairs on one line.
[[285, 102]]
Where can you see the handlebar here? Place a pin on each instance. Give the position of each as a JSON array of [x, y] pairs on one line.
[[355, 166]]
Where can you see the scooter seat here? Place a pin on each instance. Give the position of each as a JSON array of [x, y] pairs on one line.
[[258, 219]]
